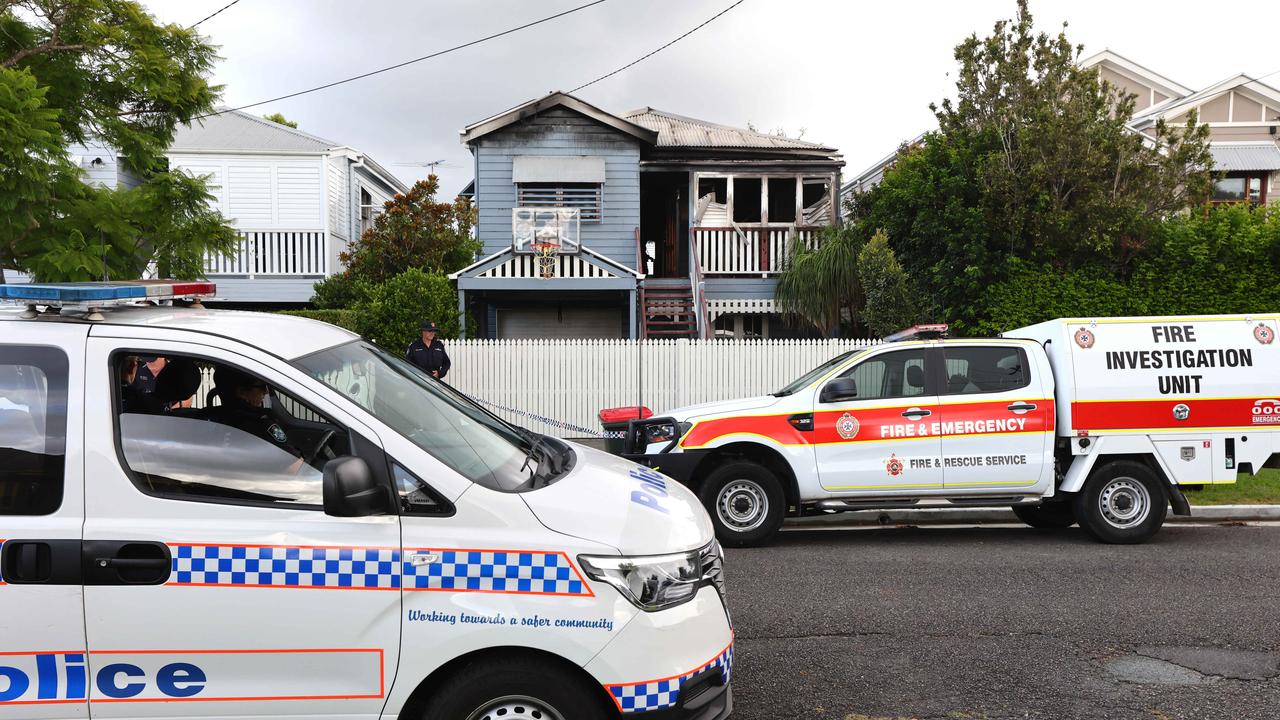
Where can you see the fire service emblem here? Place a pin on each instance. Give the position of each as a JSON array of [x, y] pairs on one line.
[[847, 426], [1263, 333], [893, 466], [1085, 338], [1181, 412]]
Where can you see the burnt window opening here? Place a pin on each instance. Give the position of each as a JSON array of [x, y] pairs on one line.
[[713, 202], [815, 198], [746, 200], [782, 200]]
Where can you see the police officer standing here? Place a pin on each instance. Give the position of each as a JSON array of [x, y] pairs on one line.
[[428, 353]]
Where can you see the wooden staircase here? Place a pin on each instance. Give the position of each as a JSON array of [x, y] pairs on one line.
[[667, 309]]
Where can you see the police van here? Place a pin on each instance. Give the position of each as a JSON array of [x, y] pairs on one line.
[[291, 522], [1096, 421]]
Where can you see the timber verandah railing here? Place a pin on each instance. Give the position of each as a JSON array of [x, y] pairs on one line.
[[749, 250], [274, 252]]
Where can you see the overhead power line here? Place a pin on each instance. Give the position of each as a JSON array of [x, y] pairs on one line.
[[215, 12], [655, 52], [438, 53]]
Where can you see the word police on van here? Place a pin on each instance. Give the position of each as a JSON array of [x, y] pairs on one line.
[[285, 521], [1096, 421]]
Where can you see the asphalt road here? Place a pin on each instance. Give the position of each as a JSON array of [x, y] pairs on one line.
[[1007, 623]]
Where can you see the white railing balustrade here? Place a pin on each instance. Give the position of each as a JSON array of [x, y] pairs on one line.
[[283, 252], [752, 250]]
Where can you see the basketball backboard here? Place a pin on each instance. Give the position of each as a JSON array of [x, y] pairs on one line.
[[532, 226]]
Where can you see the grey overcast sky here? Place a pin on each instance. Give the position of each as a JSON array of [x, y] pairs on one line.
[[856, 75]]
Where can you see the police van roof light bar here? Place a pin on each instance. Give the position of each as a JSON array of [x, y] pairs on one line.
[[94, 295], [934, 331]]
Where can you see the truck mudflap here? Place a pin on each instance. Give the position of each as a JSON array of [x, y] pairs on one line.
[[1177, 500]]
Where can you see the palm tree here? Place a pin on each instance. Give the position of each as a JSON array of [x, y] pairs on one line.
[[821, 285]]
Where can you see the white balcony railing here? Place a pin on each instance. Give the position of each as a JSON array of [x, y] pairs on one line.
[[758, 250], [273, 253]]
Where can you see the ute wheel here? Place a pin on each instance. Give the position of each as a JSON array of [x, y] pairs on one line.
[[745, 501], [1046, 515], [518, 688], [1122, 502]]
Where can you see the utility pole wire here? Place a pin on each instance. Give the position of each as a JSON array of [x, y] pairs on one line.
[[408, 62], [655, 52], [215, 12]]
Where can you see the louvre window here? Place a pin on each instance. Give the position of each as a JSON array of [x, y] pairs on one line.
[[586, 197]]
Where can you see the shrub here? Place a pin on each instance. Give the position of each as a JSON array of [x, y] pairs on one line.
[[391, 313]]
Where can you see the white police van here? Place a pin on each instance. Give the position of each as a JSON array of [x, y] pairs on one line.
[[293, 523]]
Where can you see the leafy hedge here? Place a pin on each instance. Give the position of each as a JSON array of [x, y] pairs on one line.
[[1220, 261]]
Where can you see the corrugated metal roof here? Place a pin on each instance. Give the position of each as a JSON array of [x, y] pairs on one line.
[[1245, 156], [235, 130], [679, 131]]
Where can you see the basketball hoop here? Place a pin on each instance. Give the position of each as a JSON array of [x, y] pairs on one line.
[[545, 252]]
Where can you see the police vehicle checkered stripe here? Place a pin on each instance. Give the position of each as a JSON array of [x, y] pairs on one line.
[[348, 568], [290, 567], [539, 573], [665, 693]]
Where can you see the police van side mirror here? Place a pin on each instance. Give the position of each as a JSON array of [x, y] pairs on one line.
[[845, 388], [351, 490]]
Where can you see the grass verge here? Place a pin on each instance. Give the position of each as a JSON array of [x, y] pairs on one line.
[[1260, 489]]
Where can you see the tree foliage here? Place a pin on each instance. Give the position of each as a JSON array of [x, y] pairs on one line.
[[390, 313], [281, 119], [100, 71], [1032, 164], [891, 302], [822, 285], [415, 231]]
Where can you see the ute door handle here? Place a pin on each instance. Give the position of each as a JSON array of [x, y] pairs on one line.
[[133, 563], [1022, 407], [915, 413]]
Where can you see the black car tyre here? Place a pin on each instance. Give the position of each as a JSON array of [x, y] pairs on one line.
[[518, 688], [1122, 502], [1047, 516], [745, 501]]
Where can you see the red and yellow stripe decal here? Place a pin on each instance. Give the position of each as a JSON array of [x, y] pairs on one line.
[[1158, 414], [883, 423]]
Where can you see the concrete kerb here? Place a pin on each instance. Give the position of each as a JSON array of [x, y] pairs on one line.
[[979, 516]]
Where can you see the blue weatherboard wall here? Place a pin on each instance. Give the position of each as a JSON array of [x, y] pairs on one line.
[[561, 132]]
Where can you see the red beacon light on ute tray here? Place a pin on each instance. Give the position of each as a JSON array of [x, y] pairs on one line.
[[935, 331], [92, 296]]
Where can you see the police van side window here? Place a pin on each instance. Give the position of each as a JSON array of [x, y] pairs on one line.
[[891, 375], [212, 432], [33, 429], [980, 369]]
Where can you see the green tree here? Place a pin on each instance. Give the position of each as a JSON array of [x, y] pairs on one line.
[[1032, 161], [281, 119], [390, 313], [822, 286], [891, 302], [80, 71]]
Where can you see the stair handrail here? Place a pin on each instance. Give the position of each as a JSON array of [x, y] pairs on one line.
[[695, 279]]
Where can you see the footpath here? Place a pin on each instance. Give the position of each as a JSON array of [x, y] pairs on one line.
[[992, 516]]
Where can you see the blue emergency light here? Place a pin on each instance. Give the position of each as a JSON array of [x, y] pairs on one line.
[[98, 294]]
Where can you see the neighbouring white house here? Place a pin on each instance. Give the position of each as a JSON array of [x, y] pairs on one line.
[[296, 200]]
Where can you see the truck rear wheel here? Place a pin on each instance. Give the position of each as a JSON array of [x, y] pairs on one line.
[[1122, 502], [1047, 515], [746, 503], [519, 688]]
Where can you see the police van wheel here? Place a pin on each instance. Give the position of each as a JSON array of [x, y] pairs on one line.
[[746, 503], [1046, 516], [1122, 502], [519, 688]]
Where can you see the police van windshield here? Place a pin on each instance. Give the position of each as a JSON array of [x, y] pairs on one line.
[[437, 419], [804, 380]]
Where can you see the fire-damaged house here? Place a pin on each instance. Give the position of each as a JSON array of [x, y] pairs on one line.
[[644, 224]]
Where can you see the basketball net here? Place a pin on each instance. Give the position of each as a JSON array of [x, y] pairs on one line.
[[545, 252]]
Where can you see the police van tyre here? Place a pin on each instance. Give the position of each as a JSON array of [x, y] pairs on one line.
[[1123, 502], [519, 688], [1047, 515], [746, 503]]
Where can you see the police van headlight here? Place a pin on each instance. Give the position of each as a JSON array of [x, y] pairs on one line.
[[665, 432], [652, 582]]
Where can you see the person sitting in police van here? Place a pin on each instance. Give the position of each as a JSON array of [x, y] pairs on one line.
[[244, 406], [428, 353]]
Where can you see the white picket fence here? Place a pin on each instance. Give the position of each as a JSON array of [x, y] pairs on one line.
[[571, 380]]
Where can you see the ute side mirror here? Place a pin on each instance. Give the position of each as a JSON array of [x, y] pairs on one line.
[[845, 388], [351, 490]]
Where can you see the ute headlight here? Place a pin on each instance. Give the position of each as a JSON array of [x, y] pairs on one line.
[[653, 582], [665, 432]]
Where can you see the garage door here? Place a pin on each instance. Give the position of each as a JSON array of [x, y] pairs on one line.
[[560, 322]]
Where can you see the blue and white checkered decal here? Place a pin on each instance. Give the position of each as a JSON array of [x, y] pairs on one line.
[[349, 568], [665, 693], [536, 573], [291, 567]]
